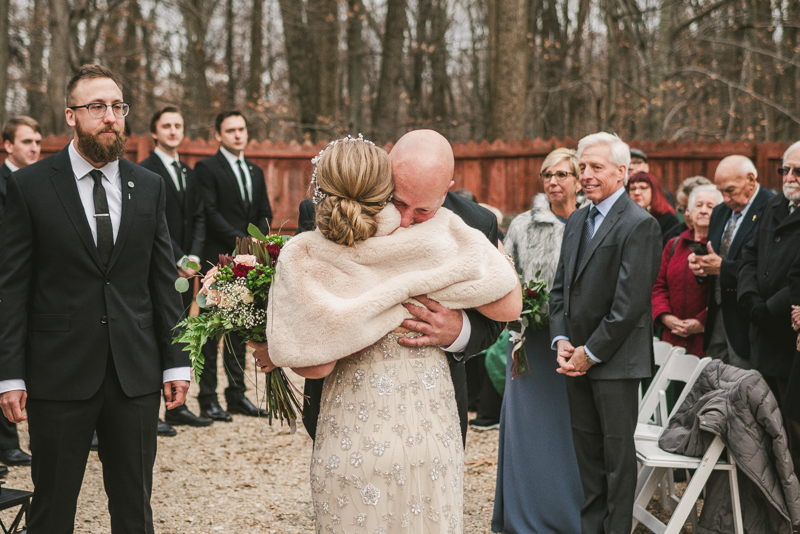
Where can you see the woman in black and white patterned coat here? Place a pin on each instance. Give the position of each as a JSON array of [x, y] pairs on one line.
[[538, 485]]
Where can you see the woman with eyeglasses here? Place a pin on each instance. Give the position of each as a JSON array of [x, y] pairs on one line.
[[538, 484], [645, 190]]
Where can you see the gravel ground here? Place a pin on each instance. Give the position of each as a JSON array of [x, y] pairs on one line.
[[248, 477]]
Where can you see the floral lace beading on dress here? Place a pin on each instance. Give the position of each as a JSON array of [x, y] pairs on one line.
[[388, 455]]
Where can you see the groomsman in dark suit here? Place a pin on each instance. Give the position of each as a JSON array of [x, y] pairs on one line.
[[87, 304], [601, 326], [185, 220], [22, 139], [235, 196], [764, 289], [423, 165], [733, 223]]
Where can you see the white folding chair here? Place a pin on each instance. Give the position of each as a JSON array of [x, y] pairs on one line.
[[662, 351], [658, 464]]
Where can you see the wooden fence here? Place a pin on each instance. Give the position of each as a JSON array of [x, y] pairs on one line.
[[504, 175]]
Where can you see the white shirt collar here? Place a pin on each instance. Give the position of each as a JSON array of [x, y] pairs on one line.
[[81, 167], [750, 202], [605, 206], [230, 157], [166, 158], [11, 165]]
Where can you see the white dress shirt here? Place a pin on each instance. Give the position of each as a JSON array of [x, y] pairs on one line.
[[112, 182], [247, 180], [11, 165], [603, 208], [168, 161], [744, 211]]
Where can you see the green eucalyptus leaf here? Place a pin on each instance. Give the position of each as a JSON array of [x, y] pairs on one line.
[[255, 232], [182, 285], [201, 300], [192, 265]]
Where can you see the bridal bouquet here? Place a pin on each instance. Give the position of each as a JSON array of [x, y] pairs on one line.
[[234, 294], [533, 317]]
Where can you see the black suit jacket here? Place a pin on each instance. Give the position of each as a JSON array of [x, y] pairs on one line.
[[62, 311], [604, 301], [737, 320], [764, 279], [5, 174], [186, 218], [227, 217], [484, 331]]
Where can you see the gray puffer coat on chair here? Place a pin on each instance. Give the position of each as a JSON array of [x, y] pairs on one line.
[[738, 406]]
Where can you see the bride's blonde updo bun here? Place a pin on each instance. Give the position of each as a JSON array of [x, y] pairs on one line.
[[356, 178]]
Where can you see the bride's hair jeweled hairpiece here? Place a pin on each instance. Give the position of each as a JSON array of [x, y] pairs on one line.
[[319, 195]]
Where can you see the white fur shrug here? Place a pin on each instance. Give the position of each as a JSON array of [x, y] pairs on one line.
[[329, 301]]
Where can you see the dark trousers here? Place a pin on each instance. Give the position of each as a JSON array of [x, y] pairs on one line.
[[61, 434], [234, 369], [8, 434], [476, 372], [603, 415]]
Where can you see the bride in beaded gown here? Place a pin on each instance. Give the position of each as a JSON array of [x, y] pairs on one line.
[[388, 456]]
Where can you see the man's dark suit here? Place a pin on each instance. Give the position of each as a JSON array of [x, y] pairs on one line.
[[736, 320], [9, 439], [186, 219], [227, 217], [484, 331], [603, 302], [91, 343]]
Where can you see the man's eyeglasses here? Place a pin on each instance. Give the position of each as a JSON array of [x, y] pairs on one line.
[[559, 175], [97, 110], [784, 171]]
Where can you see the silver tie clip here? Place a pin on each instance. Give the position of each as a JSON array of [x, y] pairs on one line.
[[101, 215]]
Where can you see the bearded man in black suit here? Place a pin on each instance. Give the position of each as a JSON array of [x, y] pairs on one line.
[[185, 220], [87, 305], [422, 168], [235, 196]]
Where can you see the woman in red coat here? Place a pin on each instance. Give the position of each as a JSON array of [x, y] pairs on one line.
[[680, 304]]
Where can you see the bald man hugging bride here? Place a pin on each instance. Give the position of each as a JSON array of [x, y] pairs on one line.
[[391, 285]]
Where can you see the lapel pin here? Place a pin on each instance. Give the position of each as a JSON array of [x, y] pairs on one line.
[[754, 217], [130, 184]]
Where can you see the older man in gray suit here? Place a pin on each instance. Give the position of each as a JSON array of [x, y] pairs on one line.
[[601, 326]]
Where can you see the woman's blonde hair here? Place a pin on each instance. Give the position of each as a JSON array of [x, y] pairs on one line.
[[356, 178], [560, 154]]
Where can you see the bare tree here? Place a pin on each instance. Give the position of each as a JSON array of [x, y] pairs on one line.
[[60, 66], [355, 64], [387, 104], [509, 63], [36, 83], [197, 96], [5, 56]]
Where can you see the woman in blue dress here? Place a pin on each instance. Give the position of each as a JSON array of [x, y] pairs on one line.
[[538, 484]]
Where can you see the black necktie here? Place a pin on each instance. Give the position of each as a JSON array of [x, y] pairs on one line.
[[178, 176], [588, 232], [243, 176], [105, 233]]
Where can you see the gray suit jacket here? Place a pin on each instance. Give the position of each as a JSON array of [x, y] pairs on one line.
[[604, 303]]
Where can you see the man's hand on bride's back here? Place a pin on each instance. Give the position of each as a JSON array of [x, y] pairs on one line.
[[261, 356], [438, 325]]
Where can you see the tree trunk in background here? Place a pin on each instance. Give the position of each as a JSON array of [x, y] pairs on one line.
[[355, 65], [438, 57], [60, 69], [509, 63], [131, 73], [36, 82], [197, 96], [660, 70], [416, 112], [256, 68], [148, 28], [230, 93], [612, 67], [577, 107], [387, 105], [303, 72], [323, 17], [5, 56]]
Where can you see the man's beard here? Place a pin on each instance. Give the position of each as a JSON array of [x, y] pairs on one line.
[[792, 191], [95, 150]]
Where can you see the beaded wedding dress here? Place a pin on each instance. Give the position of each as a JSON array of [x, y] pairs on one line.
[[388, 456]]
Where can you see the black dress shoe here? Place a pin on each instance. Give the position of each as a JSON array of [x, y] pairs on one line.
[[3, 471], [182, 416], [165, 430], [15, 457], [242, 405], [215, 412]]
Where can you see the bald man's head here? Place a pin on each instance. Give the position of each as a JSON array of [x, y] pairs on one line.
[[422, 168], [736, 178]]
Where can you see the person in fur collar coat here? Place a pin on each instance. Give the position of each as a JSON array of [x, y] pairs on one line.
[[538, 484]]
